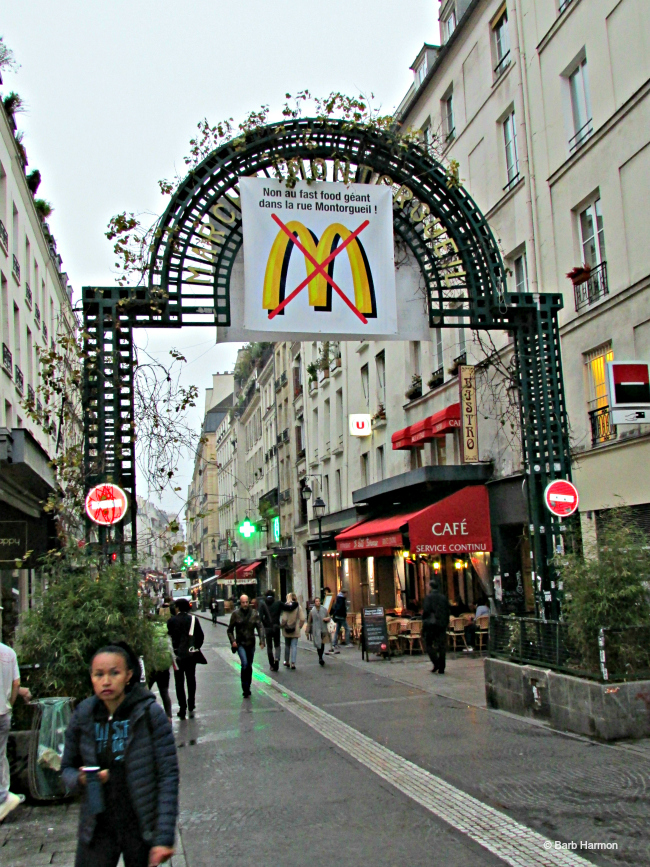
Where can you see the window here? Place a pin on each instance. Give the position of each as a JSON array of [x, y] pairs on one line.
[[580, 105], [380, 361], [595, 363], [337, 490], [592, 234], [448, 116], [380, 463], [416, 356], [462, 344], [326, 492], [521, 273], [427, 136], [338, 419], [448, 26], [365, 384], [438, 342], [421, 71], [512, 157], [501, 44], [364, 470]]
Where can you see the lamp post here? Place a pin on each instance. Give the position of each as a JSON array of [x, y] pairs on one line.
[[319, 511], [234, 550]]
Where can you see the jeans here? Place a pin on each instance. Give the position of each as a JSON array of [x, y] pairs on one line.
[[340, 622], [161, 679], [435, 641], [273, 644], [186, 671], [5, 725], [290, 650], [246, 655], [108, 843]]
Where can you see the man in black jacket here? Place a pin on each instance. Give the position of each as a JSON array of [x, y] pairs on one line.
[[435, 619], [179, 628], [339, 615], [241, 634], [270, 610]]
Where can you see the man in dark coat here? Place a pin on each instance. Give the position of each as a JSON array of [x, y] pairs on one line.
[[241, 634], [270, 610], [435, 619], [339, 615], [179, 628]]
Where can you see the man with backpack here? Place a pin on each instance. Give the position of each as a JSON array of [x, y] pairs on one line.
[[187, 640], [270, 611], [435, 619]]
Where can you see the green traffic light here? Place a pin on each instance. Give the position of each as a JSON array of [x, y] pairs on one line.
[[247, 529]]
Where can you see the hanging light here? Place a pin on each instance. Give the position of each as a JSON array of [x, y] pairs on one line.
[[306, 491], [319, 507]]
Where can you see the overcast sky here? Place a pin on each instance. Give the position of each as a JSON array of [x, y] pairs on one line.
[[114, 91]]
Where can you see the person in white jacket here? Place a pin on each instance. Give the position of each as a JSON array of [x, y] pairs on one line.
[[291, 623]]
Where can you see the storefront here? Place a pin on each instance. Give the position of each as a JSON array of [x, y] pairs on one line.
[[389, 560]]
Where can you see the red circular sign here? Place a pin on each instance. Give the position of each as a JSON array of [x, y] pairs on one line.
[[561, 498], [106, 504]]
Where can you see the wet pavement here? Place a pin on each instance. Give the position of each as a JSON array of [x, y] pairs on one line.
[[380, 762]]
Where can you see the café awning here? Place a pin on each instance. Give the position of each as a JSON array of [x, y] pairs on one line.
[[436, 425], [456, 524], [251, 567]]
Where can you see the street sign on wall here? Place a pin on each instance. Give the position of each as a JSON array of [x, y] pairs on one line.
[[106, 504], [360, 425], [318, 257], [561, 498]]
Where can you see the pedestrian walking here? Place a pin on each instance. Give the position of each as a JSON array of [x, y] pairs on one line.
[[187, 639], [291, 623], [120, 752], [161, 664], [244, 622], [435, 619], [270, 611], [214, 609], [340, 617], [10, 690], [317, 626]]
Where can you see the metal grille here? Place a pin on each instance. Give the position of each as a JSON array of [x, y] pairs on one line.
[[593, 288], [602, 429]]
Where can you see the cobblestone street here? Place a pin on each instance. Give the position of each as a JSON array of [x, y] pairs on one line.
[[355, 758]]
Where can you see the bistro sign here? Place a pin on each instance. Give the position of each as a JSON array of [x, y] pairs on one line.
[[467, 382]]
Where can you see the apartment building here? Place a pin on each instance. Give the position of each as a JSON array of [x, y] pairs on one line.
[[35, 310], [156, 538]]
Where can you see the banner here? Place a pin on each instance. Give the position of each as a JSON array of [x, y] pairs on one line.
[[468, 414], [318, 258]]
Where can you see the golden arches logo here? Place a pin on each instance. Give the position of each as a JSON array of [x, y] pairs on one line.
[[320, 290]]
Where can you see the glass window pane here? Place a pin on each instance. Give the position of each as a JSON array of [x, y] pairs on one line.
[[601, 230], [589, 254]]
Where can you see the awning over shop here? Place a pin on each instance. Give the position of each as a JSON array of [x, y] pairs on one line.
[[251, 567], [436, 425], [374, 538], [457, 524]]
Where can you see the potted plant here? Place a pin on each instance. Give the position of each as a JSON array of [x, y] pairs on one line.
[[437, 378], [312, 374], [415, 389], [579, 274]]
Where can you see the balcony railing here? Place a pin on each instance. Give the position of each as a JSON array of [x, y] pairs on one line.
[[19, 379], [15, 269], [602, 430], [7, 359], [581, 136], [31, 397], [593, 288], [28, 295], [503, 64], [563, 6], [514, 180], [44, 332], [4, 238], [437, 378], [285, 435], [37, 316]]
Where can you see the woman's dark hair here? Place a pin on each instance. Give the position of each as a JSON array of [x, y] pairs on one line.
[[183, 606], [121, 648]]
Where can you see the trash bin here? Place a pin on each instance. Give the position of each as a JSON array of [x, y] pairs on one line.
[[221, 607]]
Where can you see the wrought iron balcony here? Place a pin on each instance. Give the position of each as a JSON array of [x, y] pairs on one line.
[[593, 288], [28, 295], [4, 238], [602, 430], [15, 269], [285, 435], [44, 332], [31, 396], [37, 316], [581, 136], [19, 380], [503, 64], [7, 359], [437, 378]]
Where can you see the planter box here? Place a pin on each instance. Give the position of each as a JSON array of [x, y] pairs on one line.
[[608, 711]]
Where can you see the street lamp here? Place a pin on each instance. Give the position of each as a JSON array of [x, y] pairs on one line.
[[306, 491], [319, 511], [234, 550]]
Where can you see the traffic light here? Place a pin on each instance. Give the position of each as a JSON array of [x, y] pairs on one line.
[[247, 528]]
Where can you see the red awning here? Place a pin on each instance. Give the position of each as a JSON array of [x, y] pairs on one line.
[[373, 538], [248, 570], [244, 574], [459, 524], [436, 425]]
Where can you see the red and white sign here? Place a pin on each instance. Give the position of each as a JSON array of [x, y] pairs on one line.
[[360, 425], [561, 498], [628, 384], [106, 504]]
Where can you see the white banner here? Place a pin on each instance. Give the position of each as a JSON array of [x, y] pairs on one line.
[[318, 258]]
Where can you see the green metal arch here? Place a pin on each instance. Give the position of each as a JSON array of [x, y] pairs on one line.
[[476, 297]]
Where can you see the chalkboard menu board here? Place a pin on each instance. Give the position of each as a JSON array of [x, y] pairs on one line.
[[375, 630]]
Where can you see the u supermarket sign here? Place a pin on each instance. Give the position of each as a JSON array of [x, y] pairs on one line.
[[318, 257]]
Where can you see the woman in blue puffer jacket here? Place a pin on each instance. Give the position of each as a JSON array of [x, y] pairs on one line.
[[122, 738]]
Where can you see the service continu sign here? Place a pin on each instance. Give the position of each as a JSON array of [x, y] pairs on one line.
[[318, 257]]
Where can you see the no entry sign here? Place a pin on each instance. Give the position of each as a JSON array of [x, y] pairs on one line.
[[106, 504], [561, 498]]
